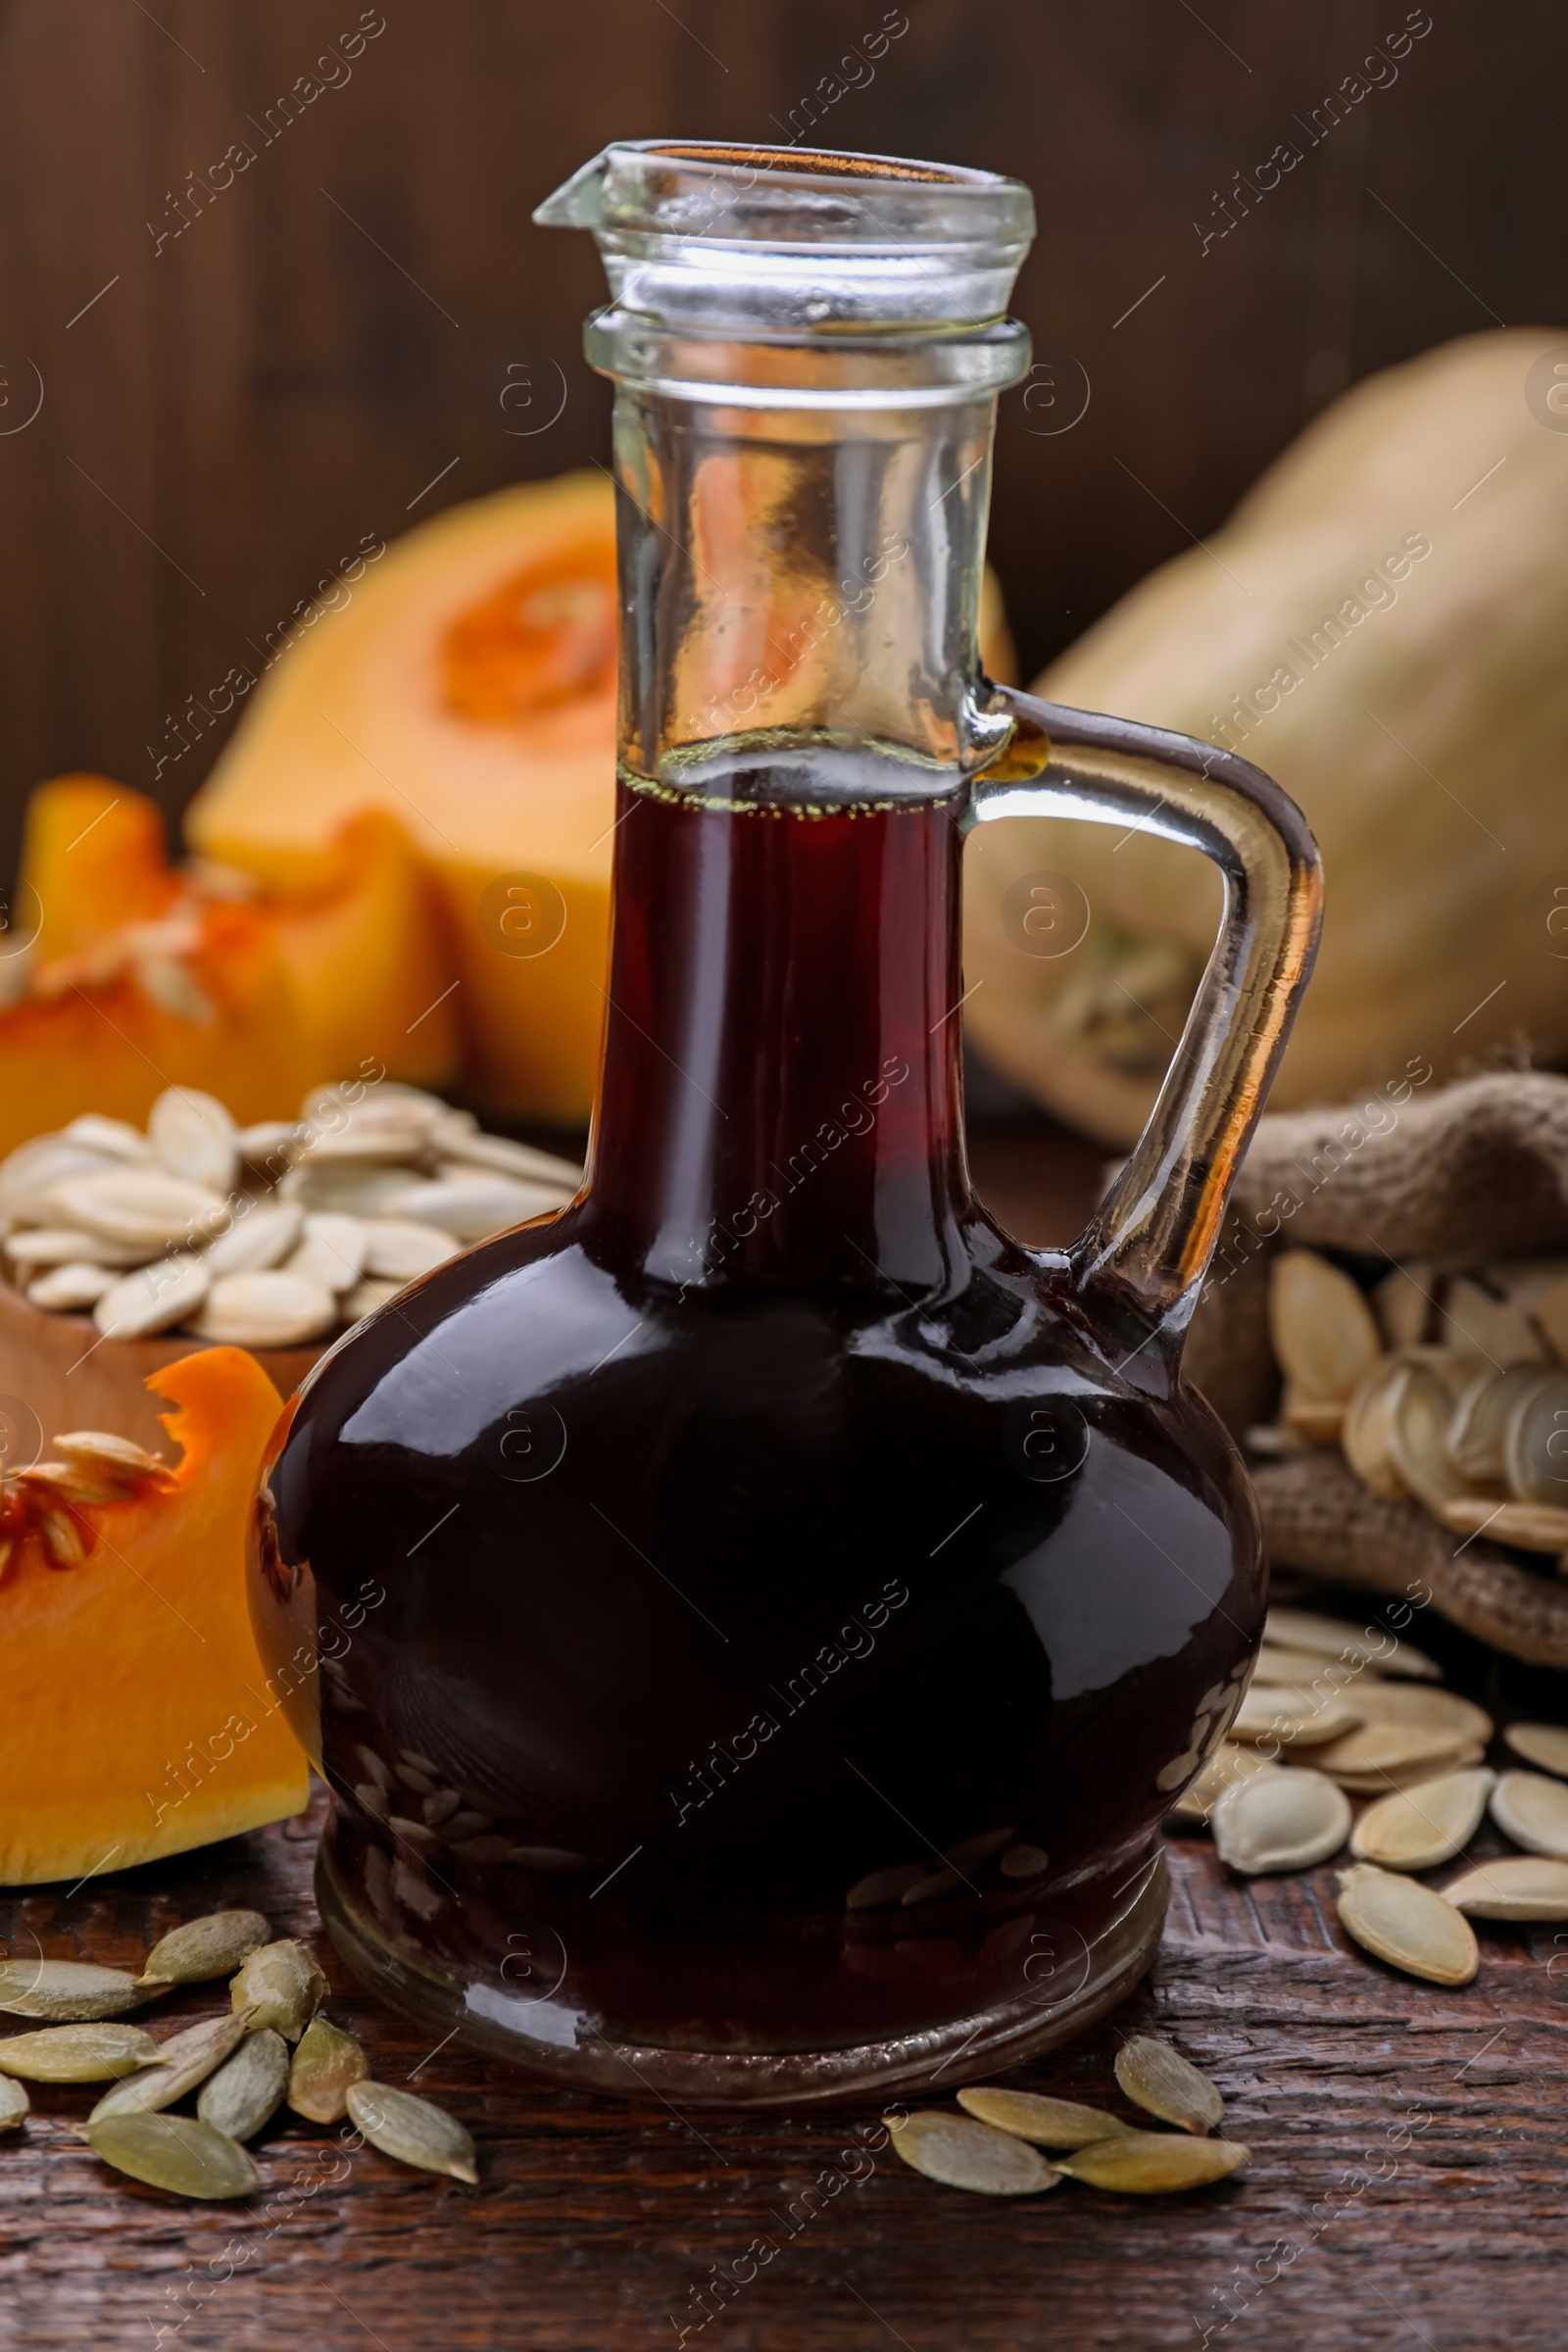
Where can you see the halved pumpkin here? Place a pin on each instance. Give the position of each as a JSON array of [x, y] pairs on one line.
[[136, 1716]]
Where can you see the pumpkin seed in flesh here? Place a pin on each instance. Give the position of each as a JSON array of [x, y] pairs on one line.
[[1532, 1457], [1151, 2164], [203, 1948], [1379, 1652], [1324, 1335], [415, 2132], [1479, 1420], [1033, 2115], [66, 1990], [281, 1986], [80, 2053], [1514, 1887], [14, 2104], [1270, 1712], [963, 2154], [1399, 1920], [248, 2089], [1542, 1744], [183, 2060], [269, 1309], [1416, 1829], [1290, 1821], [325, 2064], [101, 1449], [1533, 1811], [1226, 1768], [176, 2152], [1163, 2083]]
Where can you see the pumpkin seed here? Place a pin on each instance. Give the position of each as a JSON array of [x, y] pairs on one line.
[[464, 1143], [1549, 1307], [413, 2130], [192, 1136], [1533, 1444], [1366, 1435], [143, 1207], [1355, 1645], [962, 2154], [1306, 1669], [152, 1298], [14, 2103], [260, 1239], [879, 1887], [1325, 1339], [66, 1990], [270, 1309], [1480, 1419], [63, 1245], [1542, 1743], [1416, 1829], [248, 2088], [183, 2060], [400, 1248], [1024, 1862], [1159, 2078], [1406, 1923], [176, 2152], [1410, 1776], [1533, 1811], [367, 1296], [1225, 1768], [1269, 1712], [1312, 1418], [101, 1449], [1033, 2115], [326, 2061], [203, 1948], [281, 1986], [1514, 1887], [116, 1137], [1531, 1526], [1150, 2164], [1285, 1821], [1472, 1318], [470, 1205], [1429, 1710], [85, 2053], [28, 1176], [1386, 1748], [332, 1251], [356, 1188], [67, 1289], [1418, 1439], [1403, 1303]]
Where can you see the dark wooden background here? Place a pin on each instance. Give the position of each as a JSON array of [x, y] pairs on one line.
[[239, 407]]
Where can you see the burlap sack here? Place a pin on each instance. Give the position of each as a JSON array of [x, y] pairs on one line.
[[1477, 1171]]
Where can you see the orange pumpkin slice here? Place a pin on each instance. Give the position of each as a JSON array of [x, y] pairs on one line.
[[136, 1716]]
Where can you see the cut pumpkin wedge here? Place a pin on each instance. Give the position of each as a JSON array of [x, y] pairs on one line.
[[136, 1716]]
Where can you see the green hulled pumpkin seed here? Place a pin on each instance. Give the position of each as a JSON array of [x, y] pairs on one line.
[[202, 1949], [183, 2060], [326, 2061], [247, 2089], [66, 1990], [1033, 2115], [967, 2155], [283, 1987], [176, 2152], [13, 2103], [1159, 2078], [412, 2129], [1148, 2164], [80, 2053]]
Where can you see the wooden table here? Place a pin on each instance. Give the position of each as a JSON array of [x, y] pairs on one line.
[[1408, 2183]]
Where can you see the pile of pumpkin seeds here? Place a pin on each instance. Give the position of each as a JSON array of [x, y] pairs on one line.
[[1335, 1712], [994, 2146], [271, 2045]]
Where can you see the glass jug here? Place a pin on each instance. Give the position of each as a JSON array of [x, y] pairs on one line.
[[798, 1603]]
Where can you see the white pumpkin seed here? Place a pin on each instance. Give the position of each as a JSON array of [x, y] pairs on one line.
[[1418, 1439], [192, 1136], [1324, 1335], [1035, 2115], [1480, 1419], [474, 1205], [962, 2154], [118, 1139], [176, 2152], [1513, 1887], [1473, 1319], [325, 2064], [152, 1298], [29, 1174], [183, 2060], [1533, 1811], [1227, 1766], [367, 1296], [355, 1188], [1549, 1308], [412, 2129], [139, 1205], [1151, 2164], [267, 1309], [881, 1886], [85, 2053], [1406, 1923], [1531, 1526], [1426, 1709], [465, 1144], [203, 1948], [400, 1249], [1307, 1670], [281, 1986], [1283, 1821], [1542, 1744], [269, 1145], [261, 1237], [1416, 1829], [248, 2089], [1411, 1775], [1403, 1303], [1269, 1713], [1162, 2081], [1391, 1747], [332, 1251], [1533, 1443], [66, 1290], [1352, 1644], [1023, 1861], [121, 1458], [62, 1244], [66, 1990], [14, 2104]]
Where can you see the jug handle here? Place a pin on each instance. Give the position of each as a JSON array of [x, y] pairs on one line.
[[1153, 1233]]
